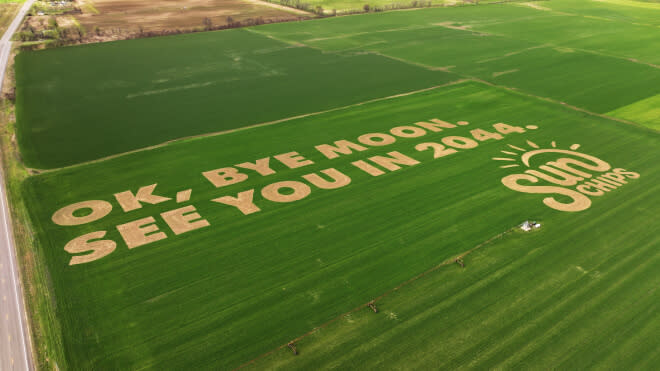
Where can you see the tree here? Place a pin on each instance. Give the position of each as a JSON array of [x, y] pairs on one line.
[[366, 8]]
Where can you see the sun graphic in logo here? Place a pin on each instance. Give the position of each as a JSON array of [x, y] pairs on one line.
[[525, 155], [570, 179]]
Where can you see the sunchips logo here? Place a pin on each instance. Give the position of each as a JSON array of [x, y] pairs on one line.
[[576, 176]]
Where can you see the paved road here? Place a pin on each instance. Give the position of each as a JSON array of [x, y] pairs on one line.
[[15, 349]]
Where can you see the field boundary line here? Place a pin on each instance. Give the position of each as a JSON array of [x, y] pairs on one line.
[[269, 36], [343, 36], [625, 58], [248, 127], [447, 262], [570, 106], [525, 93], [587, 51], [417, 64], [280, 7], [510, 54]]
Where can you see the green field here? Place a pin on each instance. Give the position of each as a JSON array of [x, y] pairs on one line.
[[645, 111], [355, 6], [343, 6], [155, 90], [246, 284], [573, 310], [586, 62], [578, 293]]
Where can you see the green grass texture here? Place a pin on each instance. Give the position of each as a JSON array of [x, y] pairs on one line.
[[82, 103], [220, 296]]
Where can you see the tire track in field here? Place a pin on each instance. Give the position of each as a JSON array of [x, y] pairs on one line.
[[614, 267], [585, 307], [445, 263], [573, 303], [577, 294]]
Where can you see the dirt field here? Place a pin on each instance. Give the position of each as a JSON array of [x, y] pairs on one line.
[[157, 15]]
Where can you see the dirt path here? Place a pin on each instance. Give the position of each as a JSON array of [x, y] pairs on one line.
[[281, 7]]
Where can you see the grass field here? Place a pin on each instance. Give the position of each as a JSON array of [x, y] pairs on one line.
[[237, 78], [577, 59], [332, 7], [70, 113], [573, 309], [578, 293], [246, 284], [645, 111]]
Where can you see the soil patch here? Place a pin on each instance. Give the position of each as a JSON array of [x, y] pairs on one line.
[[112, 17]]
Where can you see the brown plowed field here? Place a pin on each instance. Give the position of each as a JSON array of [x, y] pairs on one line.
[[157, 15]]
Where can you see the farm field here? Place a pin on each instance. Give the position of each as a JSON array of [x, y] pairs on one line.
[[75, 22], [226, 293], [356, 6], [645, 111], [129, 15], [212, 197], [141, 89], [523, 303], [160, 95], [587, 63], [343, 6]]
